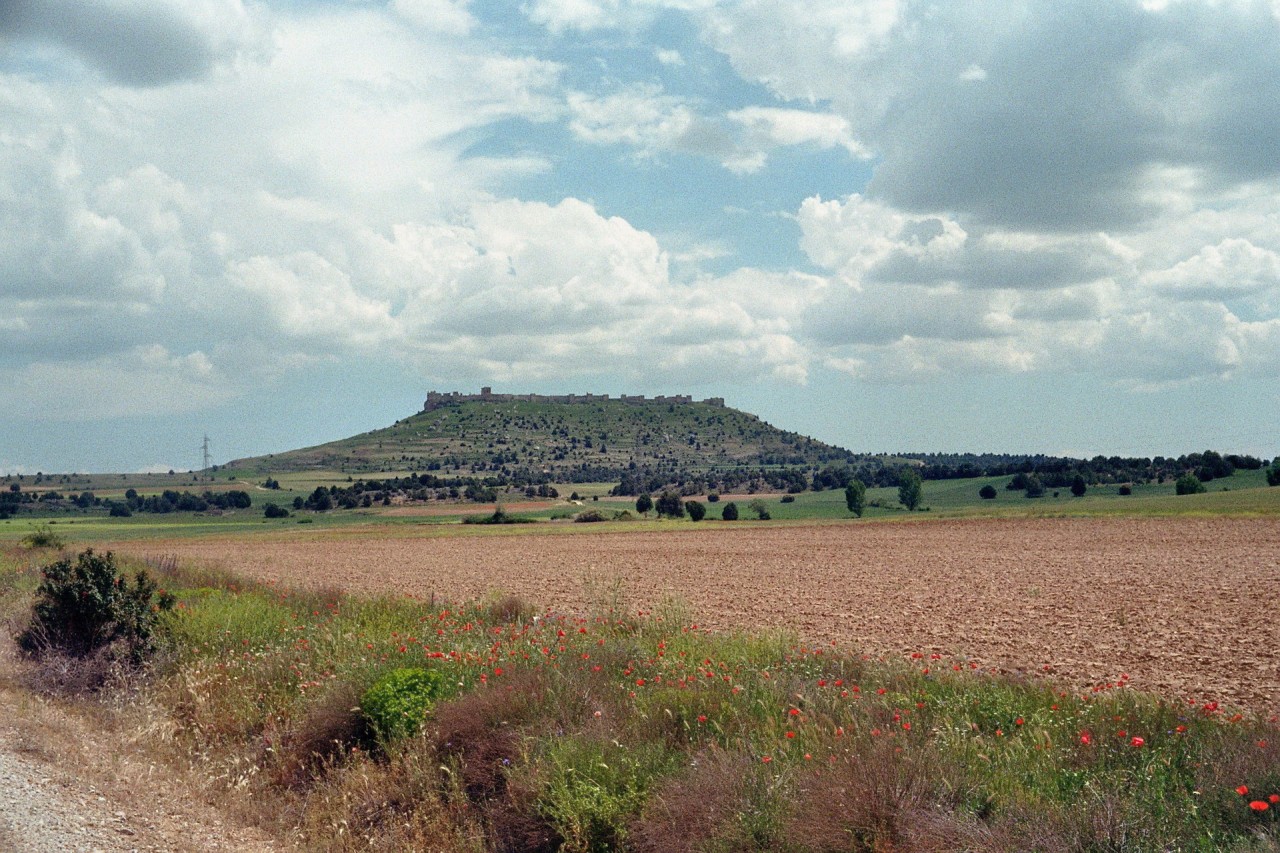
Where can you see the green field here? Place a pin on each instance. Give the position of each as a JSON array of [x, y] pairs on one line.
[[1243, 494]]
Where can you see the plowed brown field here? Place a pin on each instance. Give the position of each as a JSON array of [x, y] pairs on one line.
[[1185, 607]]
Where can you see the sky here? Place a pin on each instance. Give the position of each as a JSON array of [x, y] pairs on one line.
[[1040, 227]]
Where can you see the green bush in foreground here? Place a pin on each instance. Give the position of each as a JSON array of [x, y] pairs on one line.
[[397, 704], [88, 605]]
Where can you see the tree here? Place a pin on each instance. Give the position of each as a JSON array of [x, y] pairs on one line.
[[644, 503], [987, 492], [1035, 486], [696, 509], [1273, 475], [1188, 484], [757, 506], [669, 504], [1078, 487], [730, 512], [910, 489], [855, 497]]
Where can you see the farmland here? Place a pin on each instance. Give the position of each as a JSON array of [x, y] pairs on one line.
[[1176, 604]]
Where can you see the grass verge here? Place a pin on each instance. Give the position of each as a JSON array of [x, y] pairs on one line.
[[628, 729]]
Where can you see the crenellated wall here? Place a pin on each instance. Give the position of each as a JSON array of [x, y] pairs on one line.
[[436, 399]]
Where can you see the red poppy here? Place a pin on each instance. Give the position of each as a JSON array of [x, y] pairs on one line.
[[1137, 742], [790, 735], [1275, 798], [1085, 738], [1242, 790], [1259, 805]]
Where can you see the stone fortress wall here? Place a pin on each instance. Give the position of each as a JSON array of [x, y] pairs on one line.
[[436, 399]]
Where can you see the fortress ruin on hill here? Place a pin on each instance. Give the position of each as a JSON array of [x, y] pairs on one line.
[[436, 399]]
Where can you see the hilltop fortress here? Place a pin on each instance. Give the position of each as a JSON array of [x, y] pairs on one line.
[[436, 399]]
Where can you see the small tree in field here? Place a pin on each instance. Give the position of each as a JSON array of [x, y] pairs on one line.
[[987, 492], [1273, 475], [910, 488], [670, 505], [730, 512], [1078, 487], [758, 507], [855, 497], [697, 510], [1188, 484], [644, 503]]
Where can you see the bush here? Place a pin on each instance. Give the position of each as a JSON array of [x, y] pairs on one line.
[[730, 512], [590, 516], [757, 506], [787, 499], [987, 492], [910, 488], [120, 511], [88, 605], [696, 509], [855, 497], [1126, 490], [714, 497], [397, 703], [669, 504], [273, 511], [1078, 486], [1273, 475], [1188, 484], [43, 537], [644, 503]]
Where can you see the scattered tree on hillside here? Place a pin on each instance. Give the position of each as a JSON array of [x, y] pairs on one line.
[[757, 506], [987, 492], [644, 503], [697, 510], [730, 511], [855, 497], [909, 488]]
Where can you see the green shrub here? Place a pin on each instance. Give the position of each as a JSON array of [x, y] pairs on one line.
[[1188, 484], [87, 605], [397, 703], [696, 509], [590, 516], [43, 537], [1273, 475], [730, 512]]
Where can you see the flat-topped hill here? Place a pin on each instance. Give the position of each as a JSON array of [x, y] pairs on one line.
[[597, 436]]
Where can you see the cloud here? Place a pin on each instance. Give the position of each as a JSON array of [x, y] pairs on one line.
[[915, 296], [134, 42], [1077, 109], [148, 379]]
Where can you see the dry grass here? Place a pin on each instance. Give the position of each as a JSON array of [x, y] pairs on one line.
[[709, 807]]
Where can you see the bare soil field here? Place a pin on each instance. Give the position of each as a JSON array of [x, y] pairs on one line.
[[1185, 607]]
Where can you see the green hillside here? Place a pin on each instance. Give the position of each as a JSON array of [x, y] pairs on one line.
[[603, 439]]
